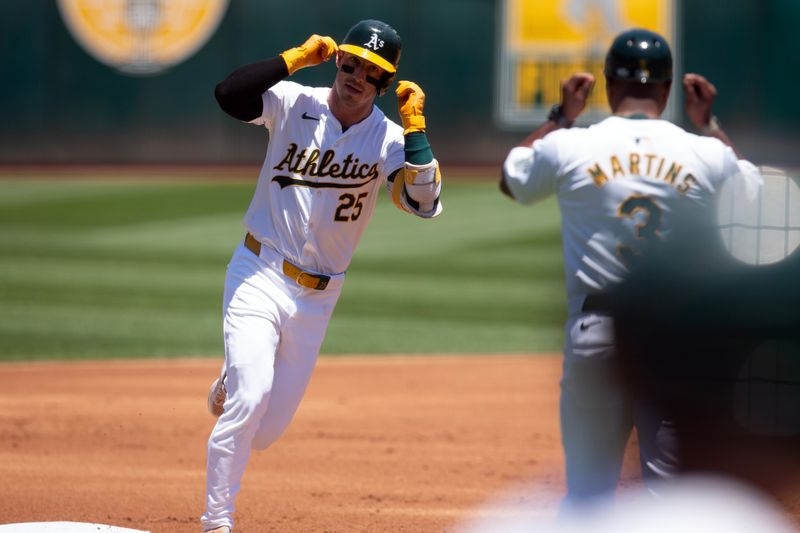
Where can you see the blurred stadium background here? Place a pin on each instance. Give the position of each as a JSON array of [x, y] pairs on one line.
[[124, 185]]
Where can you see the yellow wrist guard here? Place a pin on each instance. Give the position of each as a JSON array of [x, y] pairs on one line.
[[413, 123]]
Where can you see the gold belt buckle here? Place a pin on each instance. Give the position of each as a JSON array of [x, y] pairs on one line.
[[305, 279]]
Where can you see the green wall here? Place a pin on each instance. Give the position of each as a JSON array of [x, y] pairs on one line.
[[60, 105]]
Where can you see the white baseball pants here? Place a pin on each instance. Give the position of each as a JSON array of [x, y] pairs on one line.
[[273, 329], [598, 415]]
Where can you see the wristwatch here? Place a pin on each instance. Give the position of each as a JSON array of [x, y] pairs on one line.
[[711, 127], [557, 116]]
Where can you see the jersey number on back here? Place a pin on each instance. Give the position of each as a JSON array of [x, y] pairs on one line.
[[647, 230], [350, 208]]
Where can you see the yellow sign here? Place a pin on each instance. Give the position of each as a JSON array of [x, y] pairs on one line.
[[546, 41], [142, 36]]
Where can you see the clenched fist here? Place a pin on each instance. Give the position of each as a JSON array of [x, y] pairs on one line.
[[574, 94], [410, 103], [698, 95], [314, 51]]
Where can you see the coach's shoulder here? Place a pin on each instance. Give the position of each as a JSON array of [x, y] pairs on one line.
[[564, 138]]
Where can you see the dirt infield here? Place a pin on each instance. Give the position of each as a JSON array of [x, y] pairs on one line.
[[400, 444]]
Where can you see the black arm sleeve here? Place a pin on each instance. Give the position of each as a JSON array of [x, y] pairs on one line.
[[239, 95]]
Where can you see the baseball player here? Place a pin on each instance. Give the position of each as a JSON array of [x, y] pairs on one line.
[[622, 184], [330, 152]]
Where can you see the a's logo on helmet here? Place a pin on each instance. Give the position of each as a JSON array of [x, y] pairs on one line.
[[141, 37], [374, 42]]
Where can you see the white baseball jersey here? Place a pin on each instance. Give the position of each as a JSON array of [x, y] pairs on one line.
[[318, 186], [620, 183]]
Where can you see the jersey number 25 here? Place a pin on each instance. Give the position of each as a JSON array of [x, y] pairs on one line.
[[350, 208]]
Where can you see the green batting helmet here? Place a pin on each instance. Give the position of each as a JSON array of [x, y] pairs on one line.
[[374, 41], [640, 56]]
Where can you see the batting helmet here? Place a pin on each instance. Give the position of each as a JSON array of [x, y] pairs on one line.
[[378, 43], [640, 56]]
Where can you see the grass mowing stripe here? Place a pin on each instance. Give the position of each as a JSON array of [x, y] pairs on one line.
[[48, 331], [86, 273], [105, 269], [410, 336], [474, 303], [38, 189], [118, 205]]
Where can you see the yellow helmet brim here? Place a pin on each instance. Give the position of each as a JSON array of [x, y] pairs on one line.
[[369, 55]]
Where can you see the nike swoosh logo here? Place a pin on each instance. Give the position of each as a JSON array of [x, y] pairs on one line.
[[309, 117], [584, 326]]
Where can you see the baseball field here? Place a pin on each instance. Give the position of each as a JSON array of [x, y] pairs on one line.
[[435, 397], [110, 335]]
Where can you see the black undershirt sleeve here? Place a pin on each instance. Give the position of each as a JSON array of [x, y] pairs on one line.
[[239, 95]]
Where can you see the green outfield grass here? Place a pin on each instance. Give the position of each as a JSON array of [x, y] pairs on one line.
[[119, 268]]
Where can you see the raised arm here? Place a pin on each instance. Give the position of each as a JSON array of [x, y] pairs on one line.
[[699, 95], [574, 93], [239, 95], [417, 186]]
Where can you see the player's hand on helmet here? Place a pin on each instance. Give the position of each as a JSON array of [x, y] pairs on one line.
[[410, 103], [574, 94], [314, 51], [698, 96]]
